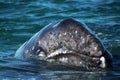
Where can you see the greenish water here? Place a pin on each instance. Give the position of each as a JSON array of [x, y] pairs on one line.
[[20, 19]]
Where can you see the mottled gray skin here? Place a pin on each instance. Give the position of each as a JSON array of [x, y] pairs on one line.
[[67, 42]]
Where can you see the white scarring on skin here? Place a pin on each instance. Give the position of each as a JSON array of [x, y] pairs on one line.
[[72, 36], [102, 59], [51, 36], [33, 47], [39, 42], [83, 40], [60, 35], [95, 48], [65, 33], [80, 62], [76, 32], [57, 52], [26, 51], [41, 54], [38, 50], [63, 59]]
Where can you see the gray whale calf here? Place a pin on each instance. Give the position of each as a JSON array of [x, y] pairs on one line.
[[67, 42]]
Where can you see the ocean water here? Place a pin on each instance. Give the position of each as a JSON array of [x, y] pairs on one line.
[[21, 19]]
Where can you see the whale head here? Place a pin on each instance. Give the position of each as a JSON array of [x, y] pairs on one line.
[[67, 42]]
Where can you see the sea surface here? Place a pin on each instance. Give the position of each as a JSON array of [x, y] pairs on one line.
[[21, 19]]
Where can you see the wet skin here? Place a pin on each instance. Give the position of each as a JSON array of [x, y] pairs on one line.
[[67, 42]]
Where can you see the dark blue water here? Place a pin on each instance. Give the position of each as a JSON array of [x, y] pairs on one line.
[[20, 19]]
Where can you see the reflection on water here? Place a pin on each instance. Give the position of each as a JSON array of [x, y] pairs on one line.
[[20, 19]]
